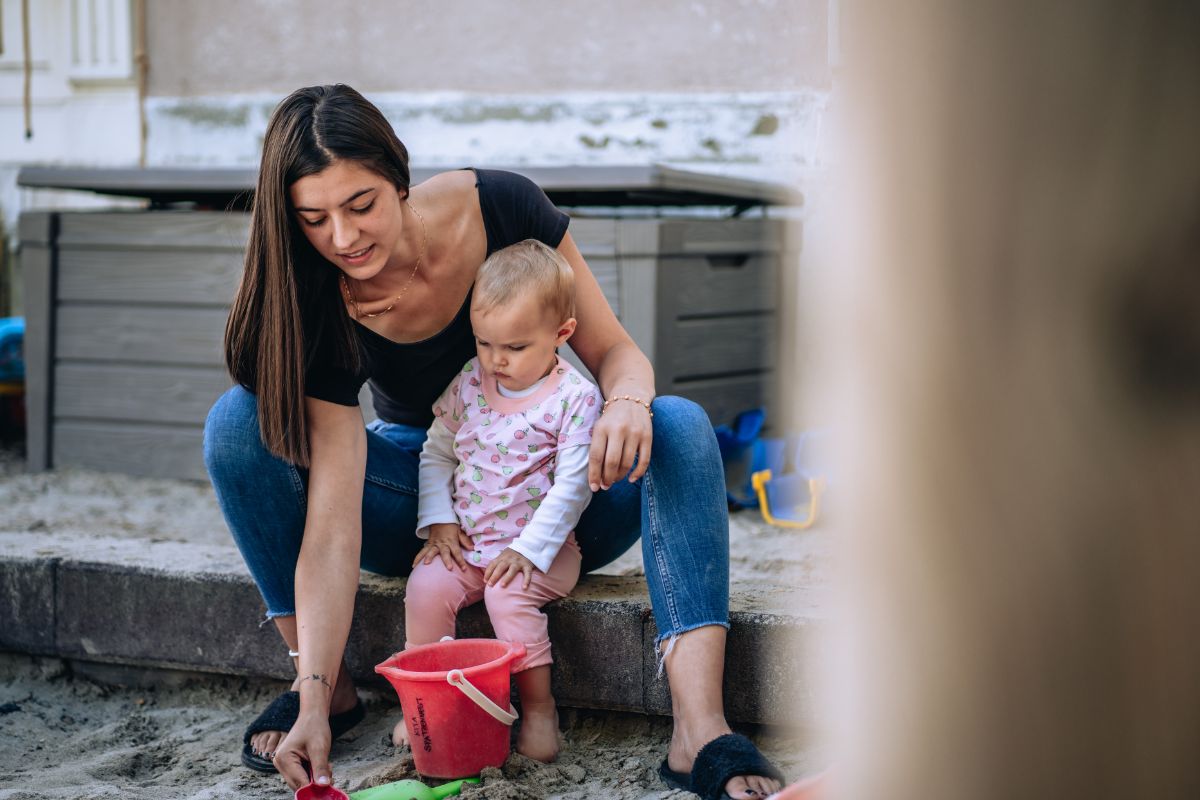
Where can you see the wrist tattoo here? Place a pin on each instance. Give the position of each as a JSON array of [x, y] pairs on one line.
[[315, 677]]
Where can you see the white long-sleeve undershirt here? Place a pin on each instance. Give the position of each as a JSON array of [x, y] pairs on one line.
[[552, 522]]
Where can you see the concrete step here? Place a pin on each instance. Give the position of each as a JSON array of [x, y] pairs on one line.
[[193, 606]]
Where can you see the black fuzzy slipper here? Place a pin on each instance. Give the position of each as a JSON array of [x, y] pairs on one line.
[[717, 762], [673, 779], [281, 715]]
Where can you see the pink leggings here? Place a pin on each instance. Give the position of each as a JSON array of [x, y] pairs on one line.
[[435, 595]]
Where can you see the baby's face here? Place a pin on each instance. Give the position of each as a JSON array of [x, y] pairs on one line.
[[516, 343]]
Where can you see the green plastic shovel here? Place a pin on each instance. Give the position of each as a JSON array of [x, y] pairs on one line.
[[411, 790]]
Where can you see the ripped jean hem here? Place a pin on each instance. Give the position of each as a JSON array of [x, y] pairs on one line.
[[272, 615], [661, 653]]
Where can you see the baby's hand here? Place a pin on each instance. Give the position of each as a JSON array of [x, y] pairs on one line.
[[447, 541], [506, 566]]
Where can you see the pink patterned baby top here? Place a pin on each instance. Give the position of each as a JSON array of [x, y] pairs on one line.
[[506, 448]]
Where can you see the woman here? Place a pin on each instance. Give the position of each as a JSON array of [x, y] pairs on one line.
[[352, 274]]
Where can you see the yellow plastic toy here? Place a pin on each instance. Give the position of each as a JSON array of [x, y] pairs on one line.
[[816, 486]]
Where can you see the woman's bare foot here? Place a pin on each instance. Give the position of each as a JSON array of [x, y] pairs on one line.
[[344, 698], [538, 737], [686, 741], [694, 668]]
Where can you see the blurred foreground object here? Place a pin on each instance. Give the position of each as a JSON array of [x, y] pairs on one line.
[[1017, 361], [813, 788]]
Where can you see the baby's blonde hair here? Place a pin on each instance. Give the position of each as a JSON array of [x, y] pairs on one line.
[[526, 269]]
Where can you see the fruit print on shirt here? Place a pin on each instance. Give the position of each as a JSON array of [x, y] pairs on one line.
[[510, 467]]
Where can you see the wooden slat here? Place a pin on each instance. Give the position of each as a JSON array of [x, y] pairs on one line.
[[618, 185], [366, 402], [713, 284], [608, 276], [744, 188], [149, 276], [594, 237], [721, 345], [35, 227], [795, 353], [190, 336], [37, 274], [143, 181], [150, 450], [156, 229], [723, 398], [702, 236], [637, 237], [180, 395], [638, 289]]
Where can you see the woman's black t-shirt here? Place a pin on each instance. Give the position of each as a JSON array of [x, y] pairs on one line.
[[406, 378]]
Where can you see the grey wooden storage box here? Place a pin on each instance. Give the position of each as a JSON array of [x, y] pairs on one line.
[[700, 297], [125, 312]]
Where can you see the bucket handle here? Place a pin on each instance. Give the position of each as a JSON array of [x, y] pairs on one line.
[[459, 681]]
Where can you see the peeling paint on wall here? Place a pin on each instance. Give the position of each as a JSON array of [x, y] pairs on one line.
[[767, 125], [207, 114], [474, 114], [775, 136], [748, 133]]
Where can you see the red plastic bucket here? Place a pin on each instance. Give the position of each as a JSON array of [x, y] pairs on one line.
[[455, 697]]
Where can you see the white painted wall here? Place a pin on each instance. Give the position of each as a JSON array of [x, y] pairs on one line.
[[487, 46], [736, 86], [84, 100], [727, 85]]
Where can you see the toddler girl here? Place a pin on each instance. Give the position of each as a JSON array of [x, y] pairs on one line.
[[503, 476]]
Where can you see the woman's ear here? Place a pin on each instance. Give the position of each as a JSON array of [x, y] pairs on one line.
[[564, 331]]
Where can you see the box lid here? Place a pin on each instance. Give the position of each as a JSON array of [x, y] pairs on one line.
[[224, 187]]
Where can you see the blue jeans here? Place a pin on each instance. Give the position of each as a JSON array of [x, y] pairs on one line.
[[678, 509]]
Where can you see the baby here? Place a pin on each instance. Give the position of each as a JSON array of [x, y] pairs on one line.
[[503, 476]]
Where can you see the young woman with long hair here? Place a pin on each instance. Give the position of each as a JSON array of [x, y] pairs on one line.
[[351, 275]]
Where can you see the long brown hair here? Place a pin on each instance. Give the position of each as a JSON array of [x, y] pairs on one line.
[[288, 299]]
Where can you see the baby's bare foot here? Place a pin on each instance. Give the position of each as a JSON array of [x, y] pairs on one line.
[[538, 738], [400, 733]]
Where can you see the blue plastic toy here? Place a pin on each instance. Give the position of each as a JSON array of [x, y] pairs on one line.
[[12, 356]]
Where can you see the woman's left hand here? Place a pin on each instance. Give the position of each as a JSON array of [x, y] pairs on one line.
[[622, 435]]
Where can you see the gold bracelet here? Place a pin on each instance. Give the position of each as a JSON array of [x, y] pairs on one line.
[[637, 400]]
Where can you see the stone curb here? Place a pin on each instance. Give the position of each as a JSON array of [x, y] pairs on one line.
[[192, 607]]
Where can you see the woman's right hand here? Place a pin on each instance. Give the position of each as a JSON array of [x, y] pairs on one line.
[[446, 541], [305, 750]]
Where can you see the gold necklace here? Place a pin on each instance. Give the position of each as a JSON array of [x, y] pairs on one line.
[[358, 313]]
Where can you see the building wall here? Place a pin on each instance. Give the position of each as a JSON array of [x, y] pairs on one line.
[[517, 46], [739, 86], [83, 105], [727, 85], [84, 100]]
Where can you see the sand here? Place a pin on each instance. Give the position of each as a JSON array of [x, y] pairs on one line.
[[85, 502], [90, 731], [72, 730]]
